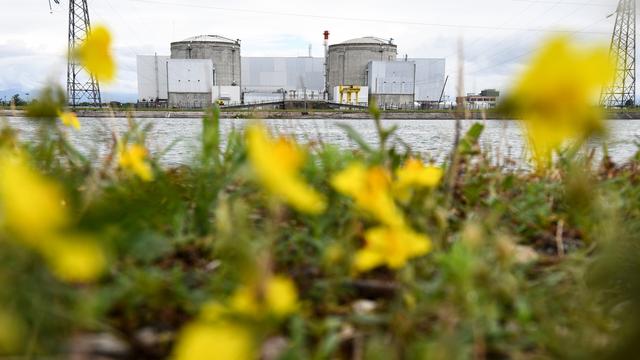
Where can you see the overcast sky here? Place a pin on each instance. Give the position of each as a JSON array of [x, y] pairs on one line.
[[498, 35]]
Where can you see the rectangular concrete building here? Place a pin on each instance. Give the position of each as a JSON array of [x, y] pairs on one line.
[[392, 83], [430, 77], [268, 77], [391, 77], [152, 78], [190, 83]]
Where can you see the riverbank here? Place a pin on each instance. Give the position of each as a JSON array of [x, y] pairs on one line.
[[297, 114], [141, 253], [262, 114]]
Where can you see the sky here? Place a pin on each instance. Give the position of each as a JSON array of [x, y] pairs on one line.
[[497, 37]]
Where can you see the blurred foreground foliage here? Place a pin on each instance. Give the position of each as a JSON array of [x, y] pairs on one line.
[[206, 260], [264, 248]]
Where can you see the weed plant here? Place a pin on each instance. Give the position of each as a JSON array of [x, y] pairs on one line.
[[269, 249]]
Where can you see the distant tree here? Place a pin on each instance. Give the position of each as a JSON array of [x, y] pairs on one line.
[[17, 100], [630, 103]]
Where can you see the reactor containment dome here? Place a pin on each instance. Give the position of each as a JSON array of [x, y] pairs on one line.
[[224, 52], [347, 61]]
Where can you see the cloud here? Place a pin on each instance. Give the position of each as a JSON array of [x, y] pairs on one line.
[[498, 34]]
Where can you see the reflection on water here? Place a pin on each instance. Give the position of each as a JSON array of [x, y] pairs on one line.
[[430, 138]]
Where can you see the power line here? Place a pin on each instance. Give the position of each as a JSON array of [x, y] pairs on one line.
[[342, 18], [495, 45], [496, 54], [518, 57], [477, 40], [564, 3], [126, 50]]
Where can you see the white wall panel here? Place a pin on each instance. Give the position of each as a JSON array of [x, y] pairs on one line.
[[391, 77], [430, 75], [190, 75], [265, 74], [152, 77], [229, 94]]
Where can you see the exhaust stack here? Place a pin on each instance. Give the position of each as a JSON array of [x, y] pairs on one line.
[[326, 64]]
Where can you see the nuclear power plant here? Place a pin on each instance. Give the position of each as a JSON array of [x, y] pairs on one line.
[[208, 69], [347, 62]]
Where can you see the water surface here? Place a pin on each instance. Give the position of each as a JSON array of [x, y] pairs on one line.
[[430, 138]]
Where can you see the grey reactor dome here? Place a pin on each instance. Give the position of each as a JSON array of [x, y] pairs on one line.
[[370, 40], [347, 61], [224, 52]]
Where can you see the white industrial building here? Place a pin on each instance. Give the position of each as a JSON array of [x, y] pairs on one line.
[[403, 83], [200, 71], [392, 83], [208, 69], [372, 62], [430, 79], [190, 83], [272, 78], [152, 79], [181, 83]]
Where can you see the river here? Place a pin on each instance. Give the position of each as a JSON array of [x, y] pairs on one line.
[[430, 138]]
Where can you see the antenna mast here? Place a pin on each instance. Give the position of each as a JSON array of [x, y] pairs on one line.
[[82, 87], [622, 91]]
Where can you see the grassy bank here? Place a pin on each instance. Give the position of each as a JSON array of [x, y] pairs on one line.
[[270, 249], [302, 114], [264, 114], [516, 264]]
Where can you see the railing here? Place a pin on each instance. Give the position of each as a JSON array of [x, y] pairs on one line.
[[299, 97]]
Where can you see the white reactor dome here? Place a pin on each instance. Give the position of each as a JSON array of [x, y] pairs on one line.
[[210, 38], [368, 40]]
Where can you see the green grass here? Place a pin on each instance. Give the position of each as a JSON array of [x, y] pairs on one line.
[[523, 266]]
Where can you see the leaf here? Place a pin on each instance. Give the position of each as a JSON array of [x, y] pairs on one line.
[[385, 134], [374, 110], [211, 135], [470, 139], [51, 100]]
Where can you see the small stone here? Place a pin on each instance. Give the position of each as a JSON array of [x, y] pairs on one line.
[[525, 254], [363, 307]]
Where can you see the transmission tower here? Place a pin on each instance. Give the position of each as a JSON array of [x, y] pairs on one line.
[[622, 91], [82, 87]]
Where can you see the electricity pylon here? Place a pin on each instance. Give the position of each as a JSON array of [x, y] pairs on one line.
[[82, 87], [622, 91]]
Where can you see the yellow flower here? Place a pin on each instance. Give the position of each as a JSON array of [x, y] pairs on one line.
[[556, 96], [31, 206], [277, 164], [414, 174], [333, 254], [95, 54], [223, 341], [133, 158], [11, 332], [70, 119], [277, 296], [214, 337], [74, 258], [371, 190], [213, 311], [281, 296], [390, 246]]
